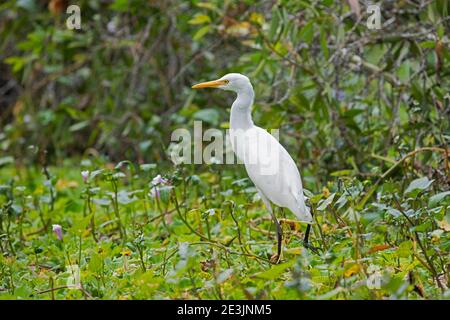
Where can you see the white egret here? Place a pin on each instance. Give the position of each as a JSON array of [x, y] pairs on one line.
[[268, 164]]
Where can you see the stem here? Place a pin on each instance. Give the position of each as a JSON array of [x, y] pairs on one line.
[[116, 211], [52, 288], [243, 248], [87, 294], [158, 205], [417, 238], [141, 257], [79, 252], [89, 205], [184, 220]]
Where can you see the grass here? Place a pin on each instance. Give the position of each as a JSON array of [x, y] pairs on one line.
[[129, 235]]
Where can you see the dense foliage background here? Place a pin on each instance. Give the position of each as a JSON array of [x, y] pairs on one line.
[[364, 112]]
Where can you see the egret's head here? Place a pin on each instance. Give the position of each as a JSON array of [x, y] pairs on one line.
[[231, 82]]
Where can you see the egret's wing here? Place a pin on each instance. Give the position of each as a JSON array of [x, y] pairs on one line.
[[273, 171]]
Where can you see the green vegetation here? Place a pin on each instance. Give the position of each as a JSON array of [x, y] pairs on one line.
[[364, 113]]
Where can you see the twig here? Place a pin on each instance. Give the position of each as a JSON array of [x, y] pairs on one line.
[[87, 294], [221, 246], [369, 194]]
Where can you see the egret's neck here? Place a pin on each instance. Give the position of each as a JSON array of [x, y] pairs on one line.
[[241, 117]]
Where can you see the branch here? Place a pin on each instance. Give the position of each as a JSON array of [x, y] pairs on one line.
[[369, 194]]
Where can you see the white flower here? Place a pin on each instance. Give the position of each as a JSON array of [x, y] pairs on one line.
[[158, 180], [85, 175], [57, 229]]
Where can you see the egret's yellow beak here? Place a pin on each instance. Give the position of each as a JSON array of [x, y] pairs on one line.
[[209, 84]]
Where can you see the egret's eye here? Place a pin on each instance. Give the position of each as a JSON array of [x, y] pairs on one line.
[[226, 81]]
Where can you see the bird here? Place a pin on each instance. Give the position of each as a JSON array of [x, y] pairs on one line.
[[269, 166]]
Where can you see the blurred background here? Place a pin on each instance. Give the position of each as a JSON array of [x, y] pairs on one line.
[[86, 117], [342, 94]]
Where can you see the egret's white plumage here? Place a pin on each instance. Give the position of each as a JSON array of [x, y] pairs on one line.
[[268, 164]]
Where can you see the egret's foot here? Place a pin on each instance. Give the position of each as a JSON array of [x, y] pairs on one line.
[[275, 259], [309, 246]]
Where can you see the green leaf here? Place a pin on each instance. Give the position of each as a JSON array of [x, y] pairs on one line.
[[325, 203], [147, 166], [200, 19], [375, 53], [102, 201], [201, 33], [80, 225], [422, 227], [120, 5], [342, 201], [124, 198], [95, 263], [209, 115], [324, 43], [79, 126], [274, 23], [437, 198], [340, 173], [6, 160], [119, 175], [123, 163], [209, 6], [404, 249], [403, 71], [394, 212], [29, 5], [307, 32], [17, 63], [316, 198], [224, 275], [275, 271], [95, 173], [419, 184]]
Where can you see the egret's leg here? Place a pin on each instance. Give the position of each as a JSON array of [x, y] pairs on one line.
[[279, 237], [277, 224], [306, 238]]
